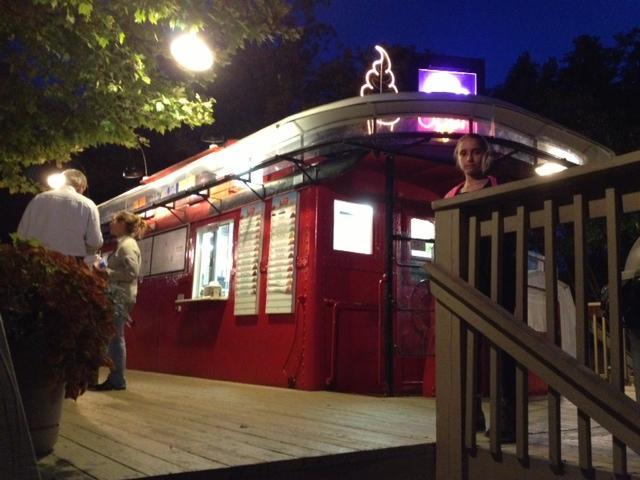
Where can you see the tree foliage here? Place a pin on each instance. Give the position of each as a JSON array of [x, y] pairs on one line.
[[82, 73], [593, 89]]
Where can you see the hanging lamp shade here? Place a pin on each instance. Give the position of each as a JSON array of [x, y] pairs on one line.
[[133, 169]]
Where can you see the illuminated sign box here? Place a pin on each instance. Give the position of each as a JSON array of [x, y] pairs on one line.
[[443, 124], [446, 81]]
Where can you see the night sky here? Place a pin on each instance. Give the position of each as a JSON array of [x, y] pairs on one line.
[[497, 31]]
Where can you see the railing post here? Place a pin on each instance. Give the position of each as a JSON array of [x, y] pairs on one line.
[[521, 315], [451, 461], [551, 294], [471, 393], [496, 357], [580, 214], [613, 210]]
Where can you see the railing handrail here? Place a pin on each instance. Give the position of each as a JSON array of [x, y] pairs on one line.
[[612, 409]]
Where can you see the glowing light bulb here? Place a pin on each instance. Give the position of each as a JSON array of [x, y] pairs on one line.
[[191, 52], [549, 168]]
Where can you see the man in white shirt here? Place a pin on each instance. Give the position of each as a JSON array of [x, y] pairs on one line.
[[63, 219]]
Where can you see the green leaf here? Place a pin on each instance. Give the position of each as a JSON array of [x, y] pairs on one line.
[[154, 16], [85, 9], [159, 106], [121, 37], [140, 16], [102, 41]]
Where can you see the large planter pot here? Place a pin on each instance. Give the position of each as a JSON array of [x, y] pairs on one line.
[[42, 402]]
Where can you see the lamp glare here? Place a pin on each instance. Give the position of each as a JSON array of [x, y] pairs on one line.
[[56, 180], [549, 168], [191, 52]]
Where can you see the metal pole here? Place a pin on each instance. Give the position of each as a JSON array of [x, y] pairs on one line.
[[389, 256]]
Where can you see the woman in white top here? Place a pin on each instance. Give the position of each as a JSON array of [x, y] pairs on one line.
[[122, 271]]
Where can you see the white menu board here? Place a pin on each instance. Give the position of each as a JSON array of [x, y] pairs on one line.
[[145, 246], [248, 253], [169, 251], [282, 243]]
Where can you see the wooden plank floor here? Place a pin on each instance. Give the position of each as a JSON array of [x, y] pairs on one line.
[[166, 424], [538, 437]]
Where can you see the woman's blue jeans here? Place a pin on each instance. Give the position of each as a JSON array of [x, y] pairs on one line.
[[118, 349]]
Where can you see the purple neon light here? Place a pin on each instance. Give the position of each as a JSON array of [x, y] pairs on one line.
[[443, 124], [447, 81]]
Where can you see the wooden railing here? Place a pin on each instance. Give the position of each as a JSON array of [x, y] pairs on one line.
[[599, 358], [464, 315]]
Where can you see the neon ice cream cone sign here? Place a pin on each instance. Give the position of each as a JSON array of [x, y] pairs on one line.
[[380, 79]]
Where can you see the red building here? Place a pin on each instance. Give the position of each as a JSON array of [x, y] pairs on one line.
[[293, 256]]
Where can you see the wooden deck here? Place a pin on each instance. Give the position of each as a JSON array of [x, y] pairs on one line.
[[165, 425], [538, 437]]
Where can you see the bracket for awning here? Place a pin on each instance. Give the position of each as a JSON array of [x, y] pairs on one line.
[[172, 211], [205, 197], [247, 183], [300, 165]]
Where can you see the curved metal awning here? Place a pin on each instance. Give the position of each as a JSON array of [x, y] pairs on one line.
[[357, 125]]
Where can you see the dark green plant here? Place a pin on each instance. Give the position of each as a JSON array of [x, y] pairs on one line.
[[56, 310]]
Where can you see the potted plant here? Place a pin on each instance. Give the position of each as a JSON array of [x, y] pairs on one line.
[[58, 319]]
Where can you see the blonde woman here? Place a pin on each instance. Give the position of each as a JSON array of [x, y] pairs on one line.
[[122, 271], [473, 158]]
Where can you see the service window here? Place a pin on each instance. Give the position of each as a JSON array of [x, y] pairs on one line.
[[214, 256], [352, 227], [423, 233]]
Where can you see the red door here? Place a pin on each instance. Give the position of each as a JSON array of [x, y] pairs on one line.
[[413, 316], [351, 255]]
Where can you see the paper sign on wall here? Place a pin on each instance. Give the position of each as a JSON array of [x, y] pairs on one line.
[[169, 251], [248, 259], [282, 243], [145, 246]]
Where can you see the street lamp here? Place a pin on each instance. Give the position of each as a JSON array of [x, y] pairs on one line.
[[191, 52]]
